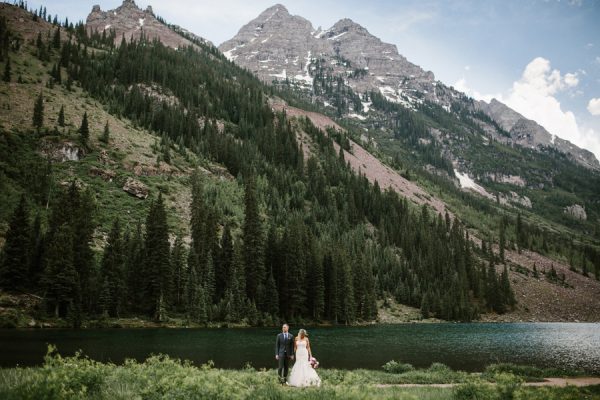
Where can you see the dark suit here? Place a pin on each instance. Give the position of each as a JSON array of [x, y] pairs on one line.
[[284, 349]]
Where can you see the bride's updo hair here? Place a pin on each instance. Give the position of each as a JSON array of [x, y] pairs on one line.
[[302, 333]]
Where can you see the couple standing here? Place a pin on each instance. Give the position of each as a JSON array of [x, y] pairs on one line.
[[286, 348]]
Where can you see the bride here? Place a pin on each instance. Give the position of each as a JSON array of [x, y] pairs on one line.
[[303, 374]]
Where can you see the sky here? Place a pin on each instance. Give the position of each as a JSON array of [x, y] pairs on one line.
[[540, 57]]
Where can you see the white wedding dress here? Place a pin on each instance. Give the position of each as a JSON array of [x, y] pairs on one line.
[[302, 373]]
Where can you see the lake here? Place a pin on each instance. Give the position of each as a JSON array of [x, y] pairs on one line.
[[468, 347]]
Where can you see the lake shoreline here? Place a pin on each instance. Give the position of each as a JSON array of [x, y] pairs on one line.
[[17, 313], [142, 324]]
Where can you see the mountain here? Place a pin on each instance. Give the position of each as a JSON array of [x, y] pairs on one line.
[[128, 20], [139, 180], [528, 133], [279, 46]]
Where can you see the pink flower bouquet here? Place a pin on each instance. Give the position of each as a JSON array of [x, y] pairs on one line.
[[313, 362]]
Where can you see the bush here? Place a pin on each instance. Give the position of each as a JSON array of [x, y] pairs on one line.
[[394, 367], [474, 389], [507, 385], [439, 368]]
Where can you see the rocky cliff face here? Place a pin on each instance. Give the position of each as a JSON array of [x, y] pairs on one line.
[[131, 21], [528, 133], [279, 46]]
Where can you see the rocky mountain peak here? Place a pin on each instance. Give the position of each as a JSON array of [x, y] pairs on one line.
[[277, 8], [346, 24], [131, 21]]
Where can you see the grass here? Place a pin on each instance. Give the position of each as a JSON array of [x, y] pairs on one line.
[[161, 377]]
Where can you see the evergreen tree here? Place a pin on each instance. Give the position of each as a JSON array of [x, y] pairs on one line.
[[60, 278], [36, 249], [271, 295], [7, 71], [252, 237], [84, 130], [106, 134], [56, 39], [157, 266], [113, 270], [38, 112], [61, 117], [180, 273], [502, 243], [134, 267], [15, 254], [224, 274], [520, 233], [508, 296]]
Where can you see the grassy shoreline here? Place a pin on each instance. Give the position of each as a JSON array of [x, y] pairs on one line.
[[161, 377]]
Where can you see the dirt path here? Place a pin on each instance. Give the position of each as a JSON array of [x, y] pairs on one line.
[[558, 382]]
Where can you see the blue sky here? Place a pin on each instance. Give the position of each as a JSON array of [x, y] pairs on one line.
[[542, 57]]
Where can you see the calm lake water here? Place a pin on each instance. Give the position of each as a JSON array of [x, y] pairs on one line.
[[468, 347]]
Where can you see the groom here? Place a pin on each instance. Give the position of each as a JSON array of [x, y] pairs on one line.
[[284, 351]]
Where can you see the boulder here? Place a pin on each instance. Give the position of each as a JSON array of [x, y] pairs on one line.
[[106, 174], [576, 211], [136, 188]]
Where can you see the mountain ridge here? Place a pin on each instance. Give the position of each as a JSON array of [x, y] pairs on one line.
[[277, 46], [130, 21]]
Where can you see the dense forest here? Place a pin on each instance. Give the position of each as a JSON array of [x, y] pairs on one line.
[[317, 243]]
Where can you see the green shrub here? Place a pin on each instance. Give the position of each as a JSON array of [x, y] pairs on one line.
[[474, 389], [394, 367]]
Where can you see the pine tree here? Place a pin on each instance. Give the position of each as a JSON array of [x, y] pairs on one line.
[[317, 285], [60, 278], [157, 265], [252, 236], [80, 207], [84, 130], [113, 270], [425, 305], [520, 233], [502, 243], [38, 112], [106, 134], [7, 71], [61, 117], [36, 249], [180, 273], [134, 267], [508, 296], [271, 295], [15, 254], [224, 275], [56, 39], [105, 300]]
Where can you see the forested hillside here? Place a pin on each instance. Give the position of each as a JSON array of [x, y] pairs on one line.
[[140, 180]]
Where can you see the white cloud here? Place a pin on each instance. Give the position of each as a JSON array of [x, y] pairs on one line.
[[594, 106], [534, 96], [462, 86], [571, 80]]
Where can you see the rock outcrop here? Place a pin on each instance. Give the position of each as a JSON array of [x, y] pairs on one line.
[[528, 133], [136, 188], [576, 211], [129, 20]]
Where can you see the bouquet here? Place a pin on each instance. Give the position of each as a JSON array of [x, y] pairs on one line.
[[313, 362]]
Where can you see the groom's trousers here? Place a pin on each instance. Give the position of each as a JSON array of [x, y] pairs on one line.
[[284, 364]]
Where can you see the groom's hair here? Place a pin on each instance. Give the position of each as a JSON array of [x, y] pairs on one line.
[[285, 325]]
